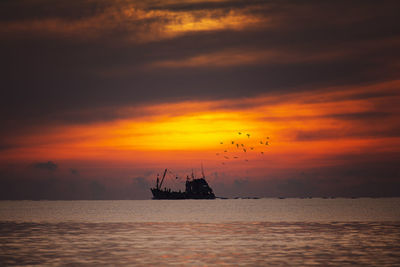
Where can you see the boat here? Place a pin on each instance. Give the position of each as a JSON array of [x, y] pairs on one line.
[[196, 188]]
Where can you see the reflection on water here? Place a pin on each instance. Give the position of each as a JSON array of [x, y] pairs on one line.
[[288, 232], [240, 243], [206, 211]]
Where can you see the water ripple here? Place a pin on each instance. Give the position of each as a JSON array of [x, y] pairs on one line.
[[199, 244]]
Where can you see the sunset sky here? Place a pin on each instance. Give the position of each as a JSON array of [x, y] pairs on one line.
[[97, 97]]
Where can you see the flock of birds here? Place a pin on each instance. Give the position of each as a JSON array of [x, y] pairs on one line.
[[239, 149]]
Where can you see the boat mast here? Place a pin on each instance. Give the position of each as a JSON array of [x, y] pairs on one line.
[[202, 171], [162, 180]]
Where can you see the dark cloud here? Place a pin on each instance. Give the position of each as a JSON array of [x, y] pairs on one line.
[[362, 179], [385, 126], [21, 10], [344, 175], [19, 183], [6, 146], [140, 183], [140, 188], [97, 190], [74, 171], [361, 115], [352, 175], [207, 5], [50, 166], [54, 77]]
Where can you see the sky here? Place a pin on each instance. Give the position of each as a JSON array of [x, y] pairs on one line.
[[98, 97]]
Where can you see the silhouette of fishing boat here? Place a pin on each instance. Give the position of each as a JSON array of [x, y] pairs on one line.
[[196, 188]]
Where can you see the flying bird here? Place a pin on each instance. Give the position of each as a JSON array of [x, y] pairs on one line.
[[239, 133], [233, 142], [267, 137], [244, 149], [237, 145], [261, 142], [221, 143], [248, 135], [251, 148], [242, 145], [266, 143], [225, 150]]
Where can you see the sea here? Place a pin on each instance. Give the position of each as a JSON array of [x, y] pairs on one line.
[[221, 232]]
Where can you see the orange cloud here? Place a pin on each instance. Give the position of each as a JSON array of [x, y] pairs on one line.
[[229, 58], [274, 55], [305, 129], [139, 23]]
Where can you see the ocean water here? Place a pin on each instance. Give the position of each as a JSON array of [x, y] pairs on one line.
[[233, 232]]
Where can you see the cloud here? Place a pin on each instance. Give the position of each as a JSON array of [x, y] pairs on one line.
[[243, 57], [206, 5], [19, 182], [141, 24], [139, 188], [74, 171], [50, 166], [337, 114], [240, 182], [153, 53], [97, 190], [351, 174], [140, 183]]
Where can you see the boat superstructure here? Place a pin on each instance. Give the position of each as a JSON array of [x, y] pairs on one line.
[[195, 188]]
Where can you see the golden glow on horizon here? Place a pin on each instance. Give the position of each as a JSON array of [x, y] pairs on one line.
[[305, 129]]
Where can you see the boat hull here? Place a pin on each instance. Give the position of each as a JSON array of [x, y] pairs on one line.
[[168, 194]]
